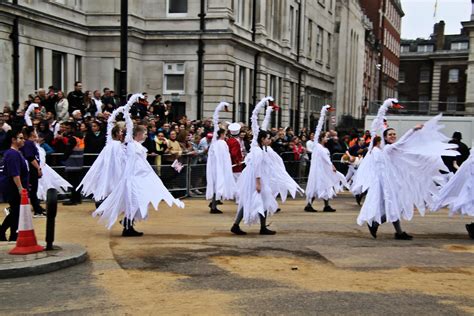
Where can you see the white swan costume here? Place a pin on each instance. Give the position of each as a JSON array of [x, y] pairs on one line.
[[323, 182], [458, 193], [107, 169], [399, 176], [258, 165], [281, 182], [50, 178], [219, 175], [138, 186]]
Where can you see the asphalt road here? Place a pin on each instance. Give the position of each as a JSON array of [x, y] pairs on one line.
[[318, 263]]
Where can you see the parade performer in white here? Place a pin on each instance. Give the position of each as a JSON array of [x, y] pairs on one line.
[[458, 193], [138, 187], [399, 174], [220, 180], [107, 169], [281, 182], [324, 181], [256, 200]]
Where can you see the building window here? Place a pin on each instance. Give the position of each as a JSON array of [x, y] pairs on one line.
[[319, 44], [58, 70], [451, 103], [310, 39], [177, 7], [38, 68], [453, 75], [401, 77], [174, 78], [425, 76], [77, 68], [459, 45], [240, 11], [329, 51], [274, 18], [424, 48], [291, 27]]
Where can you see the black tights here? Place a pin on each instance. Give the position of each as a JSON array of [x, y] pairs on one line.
[[240, 216], [396, 225], [326, 202]]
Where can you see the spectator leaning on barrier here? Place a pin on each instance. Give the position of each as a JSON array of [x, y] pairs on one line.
[[359, 148]]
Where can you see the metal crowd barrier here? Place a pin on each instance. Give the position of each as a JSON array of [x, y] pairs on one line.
[[191, 180]]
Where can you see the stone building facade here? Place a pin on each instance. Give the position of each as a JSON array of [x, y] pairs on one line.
[[284, 49], [433, 73], [386, 17], [350, 36]]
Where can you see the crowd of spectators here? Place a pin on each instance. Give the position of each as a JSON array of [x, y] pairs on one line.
[[76, 123]]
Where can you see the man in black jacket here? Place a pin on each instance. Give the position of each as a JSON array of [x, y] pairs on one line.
[[76, 98]]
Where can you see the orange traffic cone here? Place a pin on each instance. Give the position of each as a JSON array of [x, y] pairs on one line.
[[26, 242]]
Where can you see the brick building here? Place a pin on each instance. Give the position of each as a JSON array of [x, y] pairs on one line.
[[386, 17], [433, 72]]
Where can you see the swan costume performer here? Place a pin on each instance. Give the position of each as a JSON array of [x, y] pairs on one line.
[[324, 182], [253, 205], [138, 186], [107, 169], [220, 179], [399, 175], [50, 179], [281, 182], [458, 193]]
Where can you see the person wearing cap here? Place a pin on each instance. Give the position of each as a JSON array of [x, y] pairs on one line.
[[235, 149], [451, 162]]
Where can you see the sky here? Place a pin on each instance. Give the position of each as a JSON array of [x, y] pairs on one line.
[[418, 20]]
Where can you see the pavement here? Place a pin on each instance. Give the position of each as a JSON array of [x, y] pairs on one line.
[[62, 256], [189, 263]]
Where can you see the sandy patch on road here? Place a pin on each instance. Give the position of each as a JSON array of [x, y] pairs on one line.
[[316, 277], [460, 248]]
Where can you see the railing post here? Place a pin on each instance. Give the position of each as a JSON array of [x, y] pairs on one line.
[[51, 211]]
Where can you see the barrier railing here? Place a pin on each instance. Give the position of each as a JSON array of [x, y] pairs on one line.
[[191, 179]]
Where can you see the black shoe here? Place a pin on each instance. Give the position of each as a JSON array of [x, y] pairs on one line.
[[266, 231], [219, 202], [470, 230], [131, 232], [373, 229], [328, 209], [309, 208], [236, 230], [359, 199], [403, 236], [69, 203], [278, 210], [215, 211]]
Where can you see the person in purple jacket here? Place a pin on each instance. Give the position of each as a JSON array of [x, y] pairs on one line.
[[13, 178], [31, 154]]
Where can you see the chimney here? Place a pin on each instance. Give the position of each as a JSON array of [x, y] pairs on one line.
[[439, 34]]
